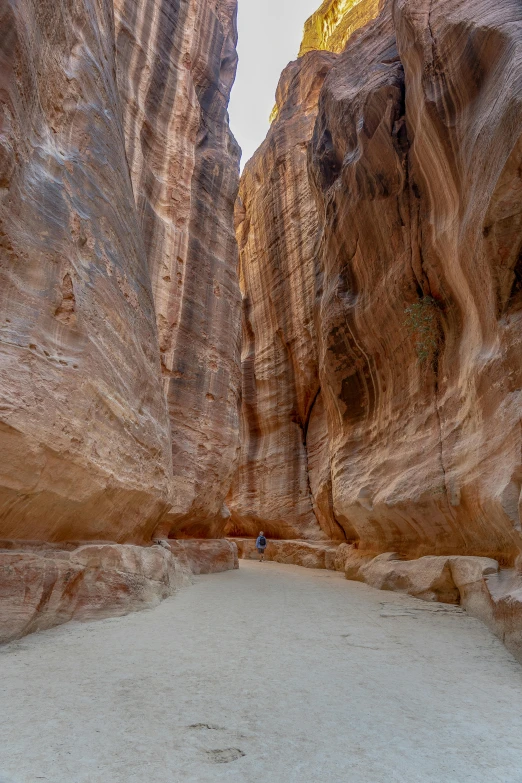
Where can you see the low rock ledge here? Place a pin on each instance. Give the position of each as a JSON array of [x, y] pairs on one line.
[[42, 586], [485, 591]]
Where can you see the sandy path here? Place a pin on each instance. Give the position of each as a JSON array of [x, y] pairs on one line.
[[311, 677]]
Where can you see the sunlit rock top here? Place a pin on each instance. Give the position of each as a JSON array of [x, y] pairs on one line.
[[332, 25], [336, 20]]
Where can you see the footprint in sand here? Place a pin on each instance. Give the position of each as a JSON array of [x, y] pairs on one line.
[[224, 755]]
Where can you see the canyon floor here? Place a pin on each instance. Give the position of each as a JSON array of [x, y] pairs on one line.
[[272, 673]]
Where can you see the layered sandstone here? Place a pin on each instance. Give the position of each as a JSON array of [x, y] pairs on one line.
[[415, 163], [412, 284], [205, 556], [176, 63], [119, 313], [42, 586], [275, 488], [333, 24]]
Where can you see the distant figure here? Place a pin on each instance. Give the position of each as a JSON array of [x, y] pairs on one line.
[[261, 543]]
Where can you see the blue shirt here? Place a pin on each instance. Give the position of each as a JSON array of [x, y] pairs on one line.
[[258, 545]]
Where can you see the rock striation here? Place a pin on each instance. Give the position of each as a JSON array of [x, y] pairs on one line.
[[412, 285], [283, 425], [176, 63], [333, 24], [119, 304], [42, 586], [205, 556], [415, 164]]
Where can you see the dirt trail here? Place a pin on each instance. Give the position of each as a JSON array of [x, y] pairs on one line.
[[270, 674]]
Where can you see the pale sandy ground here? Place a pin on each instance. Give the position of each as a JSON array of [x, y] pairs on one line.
[[312, 678]]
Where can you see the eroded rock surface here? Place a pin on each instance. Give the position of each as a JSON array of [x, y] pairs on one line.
[[119, 308], [176, 64], [42, 586], [39, 590], [335, 22], [415, 163], [205, 556], [412, 282], [282, 410]]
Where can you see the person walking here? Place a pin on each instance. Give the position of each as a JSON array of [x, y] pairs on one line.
[[261, 543]]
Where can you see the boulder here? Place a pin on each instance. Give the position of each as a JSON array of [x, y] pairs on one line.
[[429, 578]]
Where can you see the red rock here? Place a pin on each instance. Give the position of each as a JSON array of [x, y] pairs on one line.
[[500, 607], [429, 578], [206, 556], [415, 191], [176, 63], [282, 422], [407, 383], [119, 306], [476, 583], [46, 587], [350, 560]]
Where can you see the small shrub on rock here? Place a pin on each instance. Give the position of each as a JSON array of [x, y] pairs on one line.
[[422, 321]]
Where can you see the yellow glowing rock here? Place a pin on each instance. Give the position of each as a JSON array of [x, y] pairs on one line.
[[332, 25], [336, 20]]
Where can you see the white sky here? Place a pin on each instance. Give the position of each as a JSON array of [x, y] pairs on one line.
[[270, 33]]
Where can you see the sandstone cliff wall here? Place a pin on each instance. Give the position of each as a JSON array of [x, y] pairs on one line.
[[119, 310], [414, 164], [176, 65], [276, 227]]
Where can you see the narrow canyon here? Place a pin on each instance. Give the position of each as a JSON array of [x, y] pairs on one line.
[[327, 348], [380, 243]]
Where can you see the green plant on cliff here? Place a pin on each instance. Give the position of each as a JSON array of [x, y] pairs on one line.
[[422, 321]]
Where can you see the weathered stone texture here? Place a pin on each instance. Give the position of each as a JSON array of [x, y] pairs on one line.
[[414, 441], [415, 162], [308, 554], [276, 229], [334, 23], [205, 556], [176, 65], [42, 586], [118, 176]]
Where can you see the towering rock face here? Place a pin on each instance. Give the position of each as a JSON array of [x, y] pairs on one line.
[[276, 227], [176, 65], [117, 259], [415, 167]]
